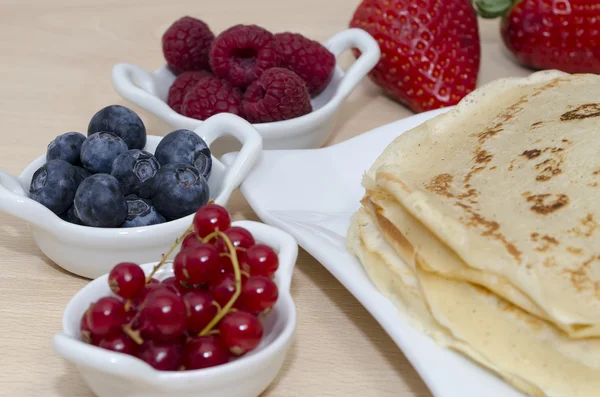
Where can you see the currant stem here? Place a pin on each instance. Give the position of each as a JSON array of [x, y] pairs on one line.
[[238, 281], [133, 334], [169, 252]]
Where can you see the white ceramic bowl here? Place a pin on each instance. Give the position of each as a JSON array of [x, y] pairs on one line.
[[149, 91], [90, 251], [111, 374]]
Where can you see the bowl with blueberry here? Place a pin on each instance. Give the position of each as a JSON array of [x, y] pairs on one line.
[[290, 87], [118, 193]]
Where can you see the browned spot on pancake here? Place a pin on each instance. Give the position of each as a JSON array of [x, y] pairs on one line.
[[586, 228], [547, 203], [552, 84], [488, 228], [582, 112], [574, 250], [595, 184], [469, 193], [547, 243], [511, 166], [597, 172], [483, 157], [493, 168], [565, 140], [531, 154], [441, 185], [550, 262], [534, 236], [473, 171], [579, 276], [549, 168], [536, 123]]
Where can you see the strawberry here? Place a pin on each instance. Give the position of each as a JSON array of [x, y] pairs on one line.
[[430, 49], [549, 34]]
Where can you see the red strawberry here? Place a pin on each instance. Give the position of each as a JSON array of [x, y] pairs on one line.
[[549, 34], [429, 49]]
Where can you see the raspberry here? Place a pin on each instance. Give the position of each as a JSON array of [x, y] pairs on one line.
[[186, 45], [210, 96], [308, 59], [279, 94], [182, 84], [242, 53]]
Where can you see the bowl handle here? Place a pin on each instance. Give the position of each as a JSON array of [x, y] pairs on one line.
[[224, 124], [137, 86], [14, 200], [370, 54]]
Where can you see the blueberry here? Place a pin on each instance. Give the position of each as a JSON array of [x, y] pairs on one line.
[[100, 150], [66, 147], [121, 121], [70, 216], [82, 173], [184, 147], [135, 169], [54, 185], [179, 190], [99, 202], [141, 212]]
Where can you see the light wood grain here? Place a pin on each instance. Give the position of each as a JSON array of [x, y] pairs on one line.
[[55, 64]]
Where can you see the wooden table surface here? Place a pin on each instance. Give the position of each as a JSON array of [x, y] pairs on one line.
[[55, 63]]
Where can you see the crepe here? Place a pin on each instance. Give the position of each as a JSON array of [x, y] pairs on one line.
[[529, 353], [510, 181], [482, 225]]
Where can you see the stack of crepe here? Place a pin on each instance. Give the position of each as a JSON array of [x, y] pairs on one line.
[[483, 227]]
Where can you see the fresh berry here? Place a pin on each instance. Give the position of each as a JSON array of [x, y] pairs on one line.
[[546, 34], [242, 53], [99, 202], [70, 216], [163, 357], [151, 286], [141, 212], [430, 50], [225, 263], [211, 96], [84, 329], [224, 288], [197, 265], [239, 237], [106, 317], [279, 94], [54, 185], [100, 150], [185, 147], [127, 279], [261, 260], [210, 218], [82, 173], [190, 241], [186, 44], [120, 343], [241, 332], [179, 190], [182, 85], [259, 293], [309, 59], [66, 147], [122, 122], [174, 285], [165, 314], [205, 352], [135, 169], [201, 309]]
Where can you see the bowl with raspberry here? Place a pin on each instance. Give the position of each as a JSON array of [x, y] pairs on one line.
[[217, 320], [288, 86], [122, 193]]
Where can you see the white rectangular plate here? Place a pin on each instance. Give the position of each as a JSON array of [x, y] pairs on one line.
[[312, 194]]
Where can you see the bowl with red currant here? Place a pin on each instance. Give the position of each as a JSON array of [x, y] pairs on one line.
[[217, 320]]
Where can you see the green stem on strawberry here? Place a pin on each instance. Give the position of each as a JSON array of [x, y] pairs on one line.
[[165, 256], [491, 9], [238, 281]]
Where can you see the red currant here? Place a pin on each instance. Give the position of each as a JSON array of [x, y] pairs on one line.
[[205, 352], [106, 317], [241, 332], [198, 265], [240, 238], [127, 280], [201, 309], [210, 218], [259, 293], [224, 289], [261, 260], [164, 314], [120, 343], [225, 260], [174, 285], [84, 329], [190, 241], [164, 357], [151, 286]]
